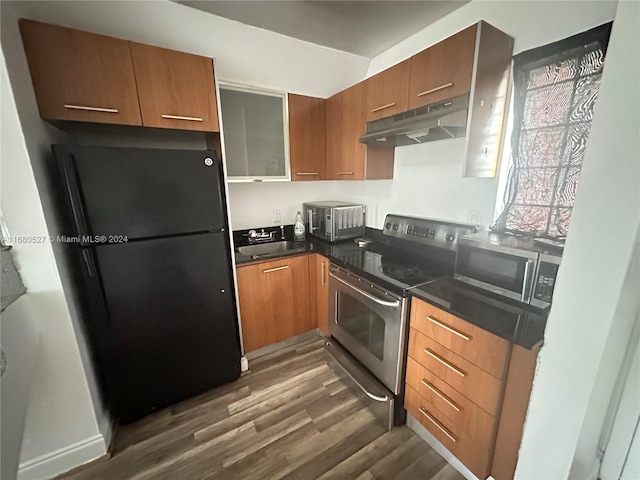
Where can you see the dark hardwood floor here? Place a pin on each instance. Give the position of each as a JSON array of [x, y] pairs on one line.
[[292, 417]]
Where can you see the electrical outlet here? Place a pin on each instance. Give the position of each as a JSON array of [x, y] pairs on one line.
[[475, 217], [277, 216]]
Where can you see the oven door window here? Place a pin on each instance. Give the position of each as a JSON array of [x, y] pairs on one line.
[[499, 269], [363, 324]]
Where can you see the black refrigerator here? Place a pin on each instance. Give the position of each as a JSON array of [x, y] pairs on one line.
[[150, 243]]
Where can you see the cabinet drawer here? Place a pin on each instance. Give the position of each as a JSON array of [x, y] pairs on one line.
[[474, 383], [475, 455], [484, 349], [466, 415]]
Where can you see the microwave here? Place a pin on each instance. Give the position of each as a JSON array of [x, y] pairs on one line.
[[334, 221], [514, 267]]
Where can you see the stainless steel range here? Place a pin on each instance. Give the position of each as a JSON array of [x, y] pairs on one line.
[[369, 308]]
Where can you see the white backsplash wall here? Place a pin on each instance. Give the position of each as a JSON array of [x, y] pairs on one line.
[[427, 182], [252, 204]]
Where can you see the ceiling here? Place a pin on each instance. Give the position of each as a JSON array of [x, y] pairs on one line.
[[365, 28]]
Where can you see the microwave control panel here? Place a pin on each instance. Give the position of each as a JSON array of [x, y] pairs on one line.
[[547, 273]]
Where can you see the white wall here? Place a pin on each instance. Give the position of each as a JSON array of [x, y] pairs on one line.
[[60, 411], [604, 398], [598, 252]]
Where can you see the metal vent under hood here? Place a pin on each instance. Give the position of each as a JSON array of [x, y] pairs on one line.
[[446, 119]]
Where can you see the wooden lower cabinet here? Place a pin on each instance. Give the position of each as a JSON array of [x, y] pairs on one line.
[[320, 285], [469, 388], [522, 369], [475, 455], [275, 301]]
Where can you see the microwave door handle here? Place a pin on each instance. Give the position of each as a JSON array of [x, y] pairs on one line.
[[310, 219], [385, 303], [528, 280]]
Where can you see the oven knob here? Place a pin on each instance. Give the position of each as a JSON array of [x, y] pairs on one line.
[[450, 237], [388, 225], [395, 226]]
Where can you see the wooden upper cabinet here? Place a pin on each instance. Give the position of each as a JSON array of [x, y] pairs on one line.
[[443, 70], [345, 127], [307, 137], [387, 92], [347, 158], [80, 76], [176, 89]]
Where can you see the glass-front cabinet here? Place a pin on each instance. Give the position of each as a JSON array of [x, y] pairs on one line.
[[255, 131]]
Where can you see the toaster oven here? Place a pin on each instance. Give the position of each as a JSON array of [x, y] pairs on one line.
[[334, 221]]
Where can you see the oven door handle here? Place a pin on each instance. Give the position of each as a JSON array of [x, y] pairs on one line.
[[385, 303]]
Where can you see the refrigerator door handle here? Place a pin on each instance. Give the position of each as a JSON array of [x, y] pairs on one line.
[[92, 270], [75, 196], [88, 261]]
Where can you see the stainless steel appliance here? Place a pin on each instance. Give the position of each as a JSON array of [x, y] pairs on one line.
[[514, 267], [334, 221], [368, 306], [438, 121]]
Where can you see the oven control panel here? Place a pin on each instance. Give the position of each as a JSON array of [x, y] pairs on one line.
[[428, 231]]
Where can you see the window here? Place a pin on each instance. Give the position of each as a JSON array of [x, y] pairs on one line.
[[555, 90], [255, 133]]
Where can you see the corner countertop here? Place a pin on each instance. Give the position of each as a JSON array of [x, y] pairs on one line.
[[514, 322], [518, 324]]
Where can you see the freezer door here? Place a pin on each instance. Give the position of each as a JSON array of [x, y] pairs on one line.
[[141, 193], [172, 329]]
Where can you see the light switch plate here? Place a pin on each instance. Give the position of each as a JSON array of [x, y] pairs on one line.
[[277, 216], [475, 217]]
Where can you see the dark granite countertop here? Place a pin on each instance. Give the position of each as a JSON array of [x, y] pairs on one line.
[[520, 325], [309, 245], [513, 322]]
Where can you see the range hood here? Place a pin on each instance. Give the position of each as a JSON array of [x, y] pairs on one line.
[[445, 119]]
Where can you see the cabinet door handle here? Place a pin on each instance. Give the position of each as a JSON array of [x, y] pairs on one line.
[[269, 270], [444, 430], [383, 107], [306, 173], [444, 362], [431, 90], [180, 117], [448, 328], [344, 173], [440, 394], [91, 109], [322, 267]]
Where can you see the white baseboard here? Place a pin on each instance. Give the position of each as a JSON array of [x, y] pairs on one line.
[[62, 460], [434, 443]]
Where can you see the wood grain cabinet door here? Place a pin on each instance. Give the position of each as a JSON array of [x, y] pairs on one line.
[[307, 137], [346, 123], [443, 70], [388, 92], [322, 292], [176, 89], [275, 301], [80, 76]]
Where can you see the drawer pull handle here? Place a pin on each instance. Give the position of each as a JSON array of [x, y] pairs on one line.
[[344, 173], [444, 430], [444, 362], [383, 107], [180, 117], [431, 90], [269, 270], [440, 394], [91, 109], [448, 328], [306, 173]]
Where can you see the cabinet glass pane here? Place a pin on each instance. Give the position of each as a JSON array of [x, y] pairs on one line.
[[253, 133]]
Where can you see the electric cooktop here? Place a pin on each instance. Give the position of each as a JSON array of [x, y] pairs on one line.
[[411, 252]]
